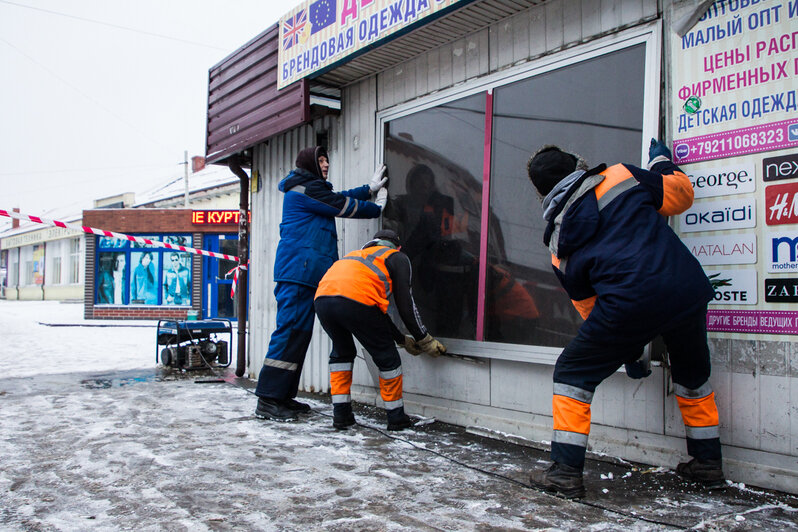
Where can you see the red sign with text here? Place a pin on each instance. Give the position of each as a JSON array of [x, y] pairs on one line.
[[216, 217], [781, 204]]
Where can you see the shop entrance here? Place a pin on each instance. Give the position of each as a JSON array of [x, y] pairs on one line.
[[217, 284]]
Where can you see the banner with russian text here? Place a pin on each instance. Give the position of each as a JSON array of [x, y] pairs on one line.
[[319, 33]]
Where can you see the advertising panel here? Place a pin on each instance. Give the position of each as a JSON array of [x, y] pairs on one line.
[[735, 122], [319, 33]]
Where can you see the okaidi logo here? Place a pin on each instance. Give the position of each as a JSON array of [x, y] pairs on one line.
[[719, 215], [782, 252], [781, 204]]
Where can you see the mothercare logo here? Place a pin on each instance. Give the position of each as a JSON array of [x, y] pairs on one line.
[[714, 181], [718, 215], [778, 168], [783, 252]]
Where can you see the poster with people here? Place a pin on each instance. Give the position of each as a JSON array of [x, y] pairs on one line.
[[177, 279], [144, 279], [112, 279]]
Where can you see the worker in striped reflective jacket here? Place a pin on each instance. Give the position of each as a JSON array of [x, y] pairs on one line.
[[631, 279], [352, 301]]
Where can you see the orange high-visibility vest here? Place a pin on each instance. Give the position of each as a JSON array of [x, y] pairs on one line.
[[360, 276]]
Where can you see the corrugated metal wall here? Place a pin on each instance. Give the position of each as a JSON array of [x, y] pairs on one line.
[[273, 161]]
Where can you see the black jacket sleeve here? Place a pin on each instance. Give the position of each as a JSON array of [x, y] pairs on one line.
[[398, 265]]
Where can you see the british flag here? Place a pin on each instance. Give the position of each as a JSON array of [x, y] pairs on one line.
[[293, 28]]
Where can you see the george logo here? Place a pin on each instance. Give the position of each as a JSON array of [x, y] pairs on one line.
[[781, 290], [711, 181], [682, 151], [778, 168]]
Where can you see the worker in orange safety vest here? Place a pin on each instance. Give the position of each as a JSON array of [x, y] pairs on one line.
[[352, 301]]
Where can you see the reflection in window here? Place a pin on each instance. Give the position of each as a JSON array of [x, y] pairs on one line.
[[594, 108], [435, 161]]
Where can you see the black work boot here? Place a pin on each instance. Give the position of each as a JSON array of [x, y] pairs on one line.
[[560, 479], [397, 419], [296, 406], [708, 473], [274, 409], [343, 416]]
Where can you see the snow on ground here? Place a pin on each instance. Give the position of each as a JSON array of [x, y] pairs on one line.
[[33, 345], [95, 437]]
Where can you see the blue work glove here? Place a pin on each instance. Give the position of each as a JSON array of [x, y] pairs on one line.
[[658, 149], [638, 369]]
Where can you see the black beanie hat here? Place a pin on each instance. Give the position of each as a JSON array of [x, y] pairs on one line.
[[384, 234], [549, 165], [308, 159]]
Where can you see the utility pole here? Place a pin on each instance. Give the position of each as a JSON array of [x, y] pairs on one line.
[[185, 176]]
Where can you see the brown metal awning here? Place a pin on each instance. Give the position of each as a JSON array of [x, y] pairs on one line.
[[244, 105]]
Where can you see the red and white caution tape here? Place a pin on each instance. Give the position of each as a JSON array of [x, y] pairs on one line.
[[235, 271], [111, 234]]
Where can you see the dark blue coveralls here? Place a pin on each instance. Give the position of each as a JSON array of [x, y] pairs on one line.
[[308, 247]]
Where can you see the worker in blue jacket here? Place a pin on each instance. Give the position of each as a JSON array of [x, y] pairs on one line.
[[631, 279], [308, 247]]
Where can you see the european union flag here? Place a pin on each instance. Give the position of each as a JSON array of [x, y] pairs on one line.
[[322, 14]]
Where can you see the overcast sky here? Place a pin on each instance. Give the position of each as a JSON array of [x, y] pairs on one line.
[[101, 97]]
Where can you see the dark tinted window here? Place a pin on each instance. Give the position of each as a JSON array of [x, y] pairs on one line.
[[593, 108]]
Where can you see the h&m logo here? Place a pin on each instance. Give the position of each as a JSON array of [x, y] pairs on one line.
[[777, 168]]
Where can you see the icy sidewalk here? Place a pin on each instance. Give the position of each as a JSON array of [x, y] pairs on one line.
[[87, 443]]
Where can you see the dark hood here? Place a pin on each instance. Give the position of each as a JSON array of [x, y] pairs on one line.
[[308, 159], [576, 219], [299, 176]]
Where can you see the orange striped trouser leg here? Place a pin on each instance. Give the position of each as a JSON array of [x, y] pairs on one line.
[[391, 388], [571, 411], [701, 422], [341, 382]]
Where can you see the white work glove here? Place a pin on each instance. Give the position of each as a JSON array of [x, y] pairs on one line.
[[431, 346], [377, 180], [382, 198], [409, 344]]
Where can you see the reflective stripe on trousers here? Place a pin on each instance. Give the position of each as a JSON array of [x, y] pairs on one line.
[[699, 411], [341, 382], [391, 388], [571, 412]]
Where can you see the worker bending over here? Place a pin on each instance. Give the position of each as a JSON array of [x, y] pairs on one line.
[[352, 300], [631, 279]]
